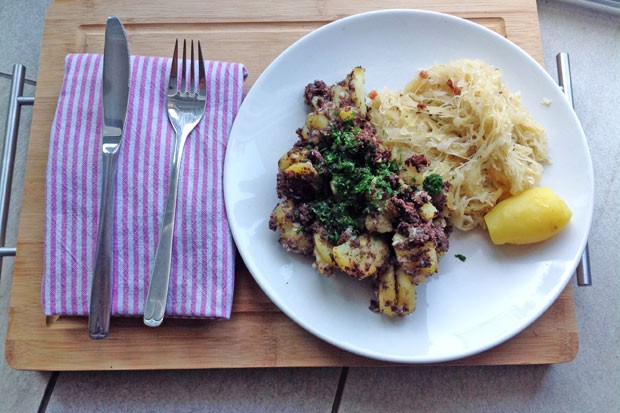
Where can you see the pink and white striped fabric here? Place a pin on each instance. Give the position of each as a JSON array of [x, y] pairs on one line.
[[203, 255]]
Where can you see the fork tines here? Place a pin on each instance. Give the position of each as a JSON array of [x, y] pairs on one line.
[[188, 85]]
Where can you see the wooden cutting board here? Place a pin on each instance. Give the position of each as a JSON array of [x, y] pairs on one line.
[[258, 335]]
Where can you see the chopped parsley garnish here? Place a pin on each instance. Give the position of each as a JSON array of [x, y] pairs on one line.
[[336, 218], [433, 184], [461, 257], [360, 183]]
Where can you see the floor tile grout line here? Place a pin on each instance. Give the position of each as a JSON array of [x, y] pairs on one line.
[[340, 389], [49, 389], [9, 76]]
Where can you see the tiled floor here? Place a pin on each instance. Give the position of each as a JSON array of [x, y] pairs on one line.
[[589, 383], [257, 390], [21, 26]]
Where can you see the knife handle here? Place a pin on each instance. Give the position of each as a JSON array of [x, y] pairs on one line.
[[155, 306], [101, 287]]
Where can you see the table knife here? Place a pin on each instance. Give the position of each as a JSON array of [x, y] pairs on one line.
[[115, 96]]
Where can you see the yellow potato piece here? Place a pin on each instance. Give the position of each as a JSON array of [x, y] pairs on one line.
[[405, 292], [358, 81], [428, 211], [361, 257], [532, 216], [387, 292], [302, 168], [323, 260]]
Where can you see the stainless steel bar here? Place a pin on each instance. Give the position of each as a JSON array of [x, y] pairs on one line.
[[564, 79], [584, 278], [25, 100], [7, 251], [8, 152], [611, 7]]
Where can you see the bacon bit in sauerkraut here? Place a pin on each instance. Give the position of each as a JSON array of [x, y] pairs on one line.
[[455, 89]]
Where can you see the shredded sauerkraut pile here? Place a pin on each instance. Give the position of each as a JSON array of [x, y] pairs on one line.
[[472, 129]]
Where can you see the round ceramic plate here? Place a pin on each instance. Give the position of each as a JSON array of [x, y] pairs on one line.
[[467, 307]]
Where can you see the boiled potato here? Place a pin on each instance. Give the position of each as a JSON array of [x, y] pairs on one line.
[[426, 264], [412, 175], [387, 292], [405, 292], [428, 211], [532, 216], [292, 237], [317, 121], [347, 113], [357, 85], [302, 168], [420, 262], [396, 293], [381, 220], [362, 256], [405, 255], [290, 158], [323, 259], [339, 93], [380, 223], [314, 122]]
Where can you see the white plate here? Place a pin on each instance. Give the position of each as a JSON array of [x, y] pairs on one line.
[[468, 306]]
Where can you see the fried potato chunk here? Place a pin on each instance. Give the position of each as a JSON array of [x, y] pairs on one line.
[[419, 262], [291, 235], [323, 258], [361, 257]]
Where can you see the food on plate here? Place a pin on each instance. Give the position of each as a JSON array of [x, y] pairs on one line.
[[353, 206], [532, 216], [473, 131]]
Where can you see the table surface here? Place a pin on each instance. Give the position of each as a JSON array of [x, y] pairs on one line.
[[588, 383]]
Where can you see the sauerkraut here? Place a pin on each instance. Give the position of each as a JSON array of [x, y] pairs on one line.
[[474, 131]]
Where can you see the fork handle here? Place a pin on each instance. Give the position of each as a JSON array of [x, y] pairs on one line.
[[155, 305]]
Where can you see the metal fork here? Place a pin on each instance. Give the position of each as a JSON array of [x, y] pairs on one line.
[[186, 106]]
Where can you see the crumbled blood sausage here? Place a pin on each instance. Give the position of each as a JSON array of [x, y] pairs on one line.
[[440, 200], [407, 211], [305, 215], [394, 181], [418, 235], [297, 187], [383, 155], [419, 161], [317, 88], [315, 157], [421, 198]]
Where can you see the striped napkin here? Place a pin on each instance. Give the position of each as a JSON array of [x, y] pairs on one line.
[[202, 273]]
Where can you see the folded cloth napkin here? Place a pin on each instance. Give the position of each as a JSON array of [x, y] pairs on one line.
[[202, 273]]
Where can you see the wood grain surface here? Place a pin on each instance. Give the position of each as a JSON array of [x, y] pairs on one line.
[[258, 335]]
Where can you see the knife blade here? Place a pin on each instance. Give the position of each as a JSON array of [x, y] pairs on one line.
[[115, 97]]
